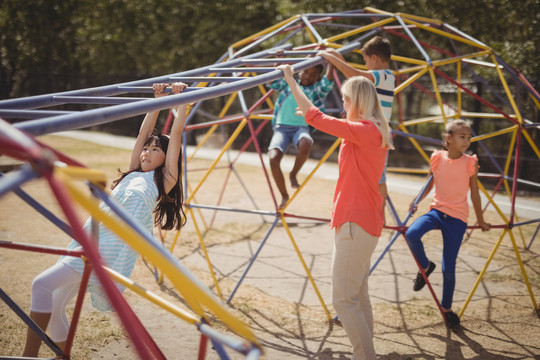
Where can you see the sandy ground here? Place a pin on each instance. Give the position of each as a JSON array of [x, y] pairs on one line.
[[275, 297]]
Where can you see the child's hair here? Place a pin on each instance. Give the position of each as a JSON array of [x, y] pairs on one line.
[[378, 46], [365, 104], [451, 128], [320, 69], [169, 213]]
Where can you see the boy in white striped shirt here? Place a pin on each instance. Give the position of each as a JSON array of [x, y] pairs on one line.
[[376, 53]]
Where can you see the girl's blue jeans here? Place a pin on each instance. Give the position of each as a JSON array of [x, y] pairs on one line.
[[452, 230]]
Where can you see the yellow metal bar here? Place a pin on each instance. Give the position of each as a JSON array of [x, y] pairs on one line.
[[232, 138], [484, 115], [458, 69], [81, 173], [481, 275], [419, 18], [407, 171], [492, 202], [458, 59], [508, 93], [206, 256], [409, 60], [264, 32], [444, 33], [496, 133], [306, 269], [213, 128], [437, 93], [523, 272], [510, 151], [306, 180], [410, 80], [261, 116], [209, 133], [415, 144], [360, 29], [193, 294], [377, 11], [422, 120], [531, 142], [148, 295]]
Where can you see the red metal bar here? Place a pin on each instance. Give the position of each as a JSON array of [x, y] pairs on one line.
[[78, 307], [40, 249], [138, 336], [479, 98], [515, 177], [203, 344]]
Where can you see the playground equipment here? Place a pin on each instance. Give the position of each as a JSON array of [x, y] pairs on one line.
[[442, 66]]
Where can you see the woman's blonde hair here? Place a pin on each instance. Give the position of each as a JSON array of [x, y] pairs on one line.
[[365, 104]]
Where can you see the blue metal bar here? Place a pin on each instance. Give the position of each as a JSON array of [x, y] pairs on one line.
[[219, 349], [14, 179], [111, 90], [417, 137], [315, 33], [41, 209], [514, 74], [490, 156], [150, 90], [211, 79], [32, 114], [256, 212], [31, 324], [462, 34], [235, 344], [413, 39], [409, 215], [533, 237], [112, 113], [253, 258], [264, 38], [243, 69], [272, 61], [95, 99]]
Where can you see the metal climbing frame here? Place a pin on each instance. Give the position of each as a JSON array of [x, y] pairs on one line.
[[250, 63]]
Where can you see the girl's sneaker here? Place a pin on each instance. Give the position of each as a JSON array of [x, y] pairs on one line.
[[452, 319]]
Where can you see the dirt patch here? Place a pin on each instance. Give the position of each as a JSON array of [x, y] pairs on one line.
[[276, 297]]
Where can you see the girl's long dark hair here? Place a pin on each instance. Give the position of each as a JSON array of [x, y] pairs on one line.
[[169, 213]]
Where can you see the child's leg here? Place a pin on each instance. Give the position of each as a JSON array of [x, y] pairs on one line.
[[44, 288], [452, 230], [418, 228], [278, 145], [303, 142]]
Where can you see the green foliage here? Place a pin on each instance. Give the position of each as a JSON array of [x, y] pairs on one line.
[[48, 45]]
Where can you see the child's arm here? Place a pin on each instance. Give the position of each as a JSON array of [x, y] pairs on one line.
[[413, 207], [147, 127], [477, 202], [330, 72], [336, 59], [301, 99], [170, 170]]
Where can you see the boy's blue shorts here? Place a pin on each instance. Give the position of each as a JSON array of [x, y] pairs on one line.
[[285, 135]]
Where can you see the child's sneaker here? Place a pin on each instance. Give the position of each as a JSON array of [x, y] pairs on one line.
[[452, 319], [419, 283]]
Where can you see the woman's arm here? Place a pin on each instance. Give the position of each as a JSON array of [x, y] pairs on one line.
[[147, 127], [301, 99], [477, 202], [336, 59]]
